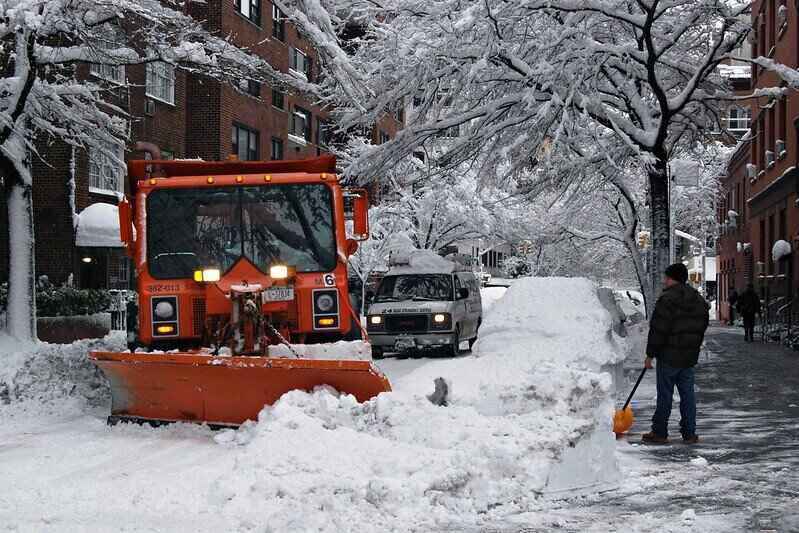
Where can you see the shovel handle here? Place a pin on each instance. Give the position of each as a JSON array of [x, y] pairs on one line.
[[632, 392]]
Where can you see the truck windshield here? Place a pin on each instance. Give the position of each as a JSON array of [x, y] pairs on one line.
[[415, 287], [189, 229]]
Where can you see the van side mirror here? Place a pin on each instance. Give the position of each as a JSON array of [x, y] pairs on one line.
[[463, 293], [360, 215], [126, 225]]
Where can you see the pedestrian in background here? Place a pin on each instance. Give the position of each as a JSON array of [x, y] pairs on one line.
[[676, 332], [749, 306], [732, 298]]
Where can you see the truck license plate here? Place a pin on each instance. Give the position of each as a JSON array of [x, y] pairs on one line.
[[278, 294]]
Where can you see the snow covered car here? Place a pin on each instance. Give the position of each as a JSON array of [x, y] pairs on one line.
[[631, 304], [425, 304]]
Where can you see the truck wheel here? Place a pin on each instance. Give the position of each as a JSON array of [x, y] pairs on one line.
[[377, 352]]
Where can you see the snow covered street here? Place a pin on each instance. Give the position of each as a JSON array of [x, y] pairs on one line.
[[318, 462]]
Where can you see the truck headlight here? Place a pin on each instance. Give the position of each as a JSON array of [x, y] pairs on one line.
[[164, 310], [325, 302], [278, 272], [207, 275]]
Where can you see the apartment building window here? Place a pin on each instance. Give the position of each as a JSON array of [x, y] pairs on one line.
[[106, 169], [738, 119], [250, 9], [782, 112], [278, 99], [278, 23], [772, 134], [762, 240], [244, 143], [160, 81], [253, 88], [300, 63], [301, 124], [384, 137], [771, 240], [277, 148], [109, 72], [321, 132]]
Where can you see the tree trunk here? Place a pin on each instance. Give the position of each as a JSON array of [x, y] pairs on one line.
[[21, 310], [640, 272], [661, 227]]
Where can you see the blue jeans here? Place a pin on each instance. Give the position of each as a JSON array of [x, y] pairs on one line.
[[667, 378]]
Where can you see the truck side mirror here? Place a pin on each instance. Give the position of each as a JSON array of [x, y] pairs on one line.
[[360, 215], [463, 293], [126, 225], [352, 247]]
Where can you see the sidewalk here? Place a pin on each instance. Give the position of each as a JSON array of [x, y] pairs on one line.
[[743, 476]]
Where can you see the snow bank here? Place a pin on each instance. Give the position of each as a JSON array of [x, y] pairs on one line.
[[529, 415], [50, 373], [490, 296]]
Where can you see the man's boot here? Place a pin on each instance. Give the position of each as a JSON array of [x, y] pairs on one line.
[[690, 439], [654, 438]]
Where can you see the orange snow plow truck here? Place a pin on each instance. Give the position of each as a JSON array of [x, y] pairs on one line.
[[237, 264]]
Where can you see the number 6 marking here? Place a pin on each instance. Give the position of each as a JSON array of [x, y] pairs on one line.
[[329, 280]]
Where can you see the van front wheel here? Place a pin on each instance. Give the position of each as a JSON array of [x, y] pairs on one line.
[[454, 349]]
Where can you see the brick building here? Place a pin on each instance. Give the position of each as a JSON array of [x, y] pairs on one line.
[[758, 204], [187, 116]]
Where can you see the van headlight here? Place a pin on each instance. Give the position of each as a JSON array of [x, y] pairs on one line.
[[376, 320], [441, 321]]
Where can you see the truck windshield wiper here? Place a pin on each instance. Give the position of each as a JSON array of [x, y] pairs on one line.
[[385, 299], [424, 299]]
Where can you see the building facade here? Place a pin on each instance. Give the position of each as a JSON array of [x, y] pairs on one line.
[[758, 202], [188, 116]]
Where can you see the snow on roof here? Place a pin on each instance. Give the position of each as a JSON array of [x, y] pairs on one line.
[[98, 227], [421, 262]]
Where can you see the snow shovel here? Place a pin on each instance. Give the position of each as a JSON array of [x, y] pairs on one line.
[[623, 418]]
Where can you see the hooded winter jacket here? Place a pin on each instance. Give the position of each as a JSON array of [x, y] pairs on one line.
[[678, 326]]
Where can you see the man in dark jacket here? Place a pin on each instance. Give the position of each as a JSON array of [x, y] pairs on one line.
[[749, 306], [676, 332]]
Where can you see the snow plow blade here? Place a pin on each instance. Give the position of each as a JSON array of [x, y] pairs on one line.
[[221, 391]]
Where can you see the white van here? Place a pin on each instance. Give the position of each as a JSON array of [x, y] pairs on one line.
[[425, 303]]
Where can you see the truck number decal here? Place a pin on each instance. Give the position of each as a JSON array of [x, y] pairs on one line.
[[162, 287], [329, 280]]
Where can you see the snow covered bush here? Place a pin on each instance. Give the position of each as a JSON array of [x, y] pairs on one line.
[[52, 300]]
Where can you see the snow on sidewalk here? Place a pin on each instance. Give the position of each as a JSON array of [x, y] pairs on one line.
[[529, 415]]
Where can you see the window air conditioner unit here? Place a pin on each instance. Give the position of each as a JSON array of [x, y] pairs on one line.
[[751, 171], [780, 149], [769, 158], [149, 107]]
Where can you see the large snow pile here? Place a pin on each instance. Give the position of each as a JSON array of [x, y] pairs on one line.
[[50, 373], [529, 415]]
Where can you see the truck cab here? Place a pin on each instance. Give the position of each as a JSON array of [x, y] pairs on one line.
[[423, 304]]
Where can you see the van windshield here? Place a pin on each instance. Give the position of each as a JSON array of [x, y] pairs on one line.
[[436, 287]]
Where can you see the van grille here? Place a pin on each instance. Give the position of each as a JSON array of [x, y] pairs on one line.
[[198, 316], [406, 323]]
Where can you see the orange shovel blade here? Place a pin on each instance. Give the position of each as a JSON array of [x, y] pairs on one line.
[[196, 387], [623, 420]]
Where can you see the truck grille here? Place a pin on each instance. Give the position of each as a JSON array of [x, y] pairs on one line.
[[198, 316], [406, 323]]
